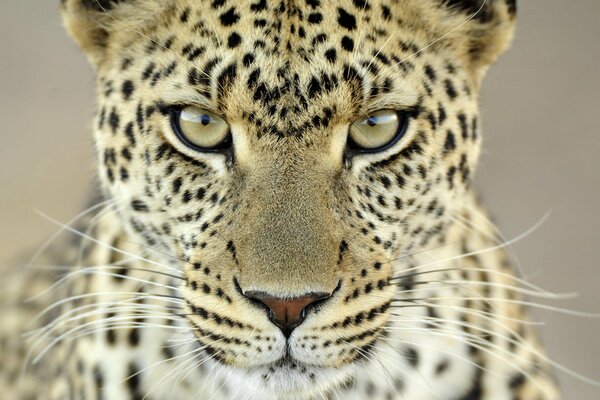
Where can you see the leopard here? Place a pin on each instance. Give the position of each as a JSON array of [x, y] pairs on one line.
[[284, 209]]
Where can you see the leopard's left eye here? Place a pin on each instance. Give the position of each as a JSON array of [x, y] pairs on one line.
[[200, 129], [377, 131]]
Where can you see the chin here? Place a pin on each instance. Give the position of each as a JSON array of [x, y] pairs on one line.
[[283, 380]]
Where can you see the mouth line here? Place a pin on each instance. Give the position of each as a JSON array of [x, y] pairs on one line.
[[287, 361]]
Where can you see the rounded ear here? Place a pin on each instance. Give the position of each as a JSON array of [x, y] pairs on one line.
[[90, 22], [82, 19], [489, 29]]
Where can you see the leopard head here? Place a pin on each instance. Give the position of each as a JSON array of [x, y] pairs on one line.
[[288, 154]]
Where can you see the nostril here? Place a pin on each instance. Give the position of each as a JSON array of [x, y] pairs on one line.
[[287, 313]]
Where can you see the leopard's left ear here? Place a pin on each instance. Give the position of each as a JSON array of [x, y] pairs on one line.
[[489, 29]]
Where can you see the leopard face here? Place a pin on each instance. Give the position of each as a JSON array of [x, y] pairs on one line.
[[289, 219]]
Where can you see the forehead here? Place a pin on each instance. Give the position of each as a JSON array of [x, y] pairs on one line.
[[296, 27], [276, 60]]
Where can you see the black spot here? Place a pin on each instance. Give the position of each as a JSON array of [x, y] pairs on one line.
[[124, 174], [194, 53], [111, 337], [148, 71], [361, 4], [347, 43], [226, 78], [315, 18], [177, 185], [127, 89], [314, 88], [139, 206], [218, 4], [184, 15], [476, 390], [386, 13], [259, 23], [114, 120], [233, 40], [449, 143], [411, 355], [450, 89], [516, 381], [346, 19], [134, 337], [462, 120], [331, 55], [260, 6], [98, 379], [512, 6], [320, 38], [248, 60], [442, 367], [133, 382], [430, 72], [349, 73], [130, 135], [229, 17]]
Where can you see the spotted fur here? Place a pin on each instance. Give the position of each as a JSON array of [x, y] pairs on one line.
[[425, 303]]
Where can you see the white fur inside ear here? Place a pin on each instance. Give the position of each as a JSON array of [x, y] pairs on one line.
[[91, 26]]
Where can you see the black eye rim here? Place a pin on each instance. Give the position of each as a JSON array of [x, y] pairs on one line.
[[354, 148], [174, 115]]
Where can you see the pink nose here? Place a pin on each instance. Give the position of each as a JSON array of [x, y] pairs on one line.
[[287, 314]]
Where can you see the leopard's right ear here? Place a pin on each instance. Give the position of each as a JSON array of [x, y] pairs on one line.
[[90, 23]]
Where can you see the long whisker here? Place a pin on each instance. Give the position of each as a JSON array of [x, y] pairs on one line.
[[106, 323], [497, 235], [486, 270], [463, 283], [516, 239], [444, 351], [513, 301], [194, 366], [518, 343], [93, 223], [479, 344], [167, 298], [76, 218], [158, 363], [106, 245], [98, 309], [425, 382], [105, 273]]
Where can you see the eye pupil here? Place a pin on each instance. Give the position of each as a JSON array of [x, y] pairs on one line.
[[371, 121], [205, 120]]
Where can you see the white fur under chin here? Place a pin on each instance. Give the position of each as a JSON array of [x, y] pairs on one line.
[[285, 383]]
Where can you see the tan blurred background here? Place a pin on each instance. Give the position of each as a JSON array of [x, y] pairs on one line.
[[541, 109]]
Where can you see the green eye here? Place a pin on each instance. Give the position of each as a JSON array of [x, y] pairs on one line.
[[200, 129], [378, 131]]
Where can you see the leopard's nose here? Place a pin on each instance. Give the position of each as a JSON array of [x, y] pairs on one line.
[[287, 314]]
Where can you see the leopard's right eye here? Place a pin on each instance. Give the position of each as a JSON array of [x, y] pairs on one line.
[[200, 129]]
